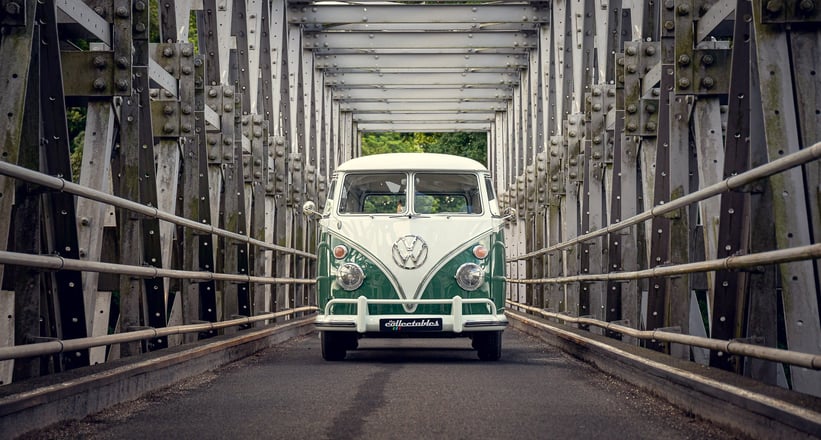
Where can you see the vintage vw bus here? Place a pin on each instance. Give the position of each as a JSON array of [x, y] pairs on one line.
[[410, 245]]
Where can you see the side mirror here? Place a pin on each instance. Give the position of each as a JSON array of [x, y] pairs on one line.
[[309, 209], [509, 214]]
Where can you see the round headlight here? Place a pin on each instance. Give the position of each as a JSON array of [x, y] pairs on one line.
[[470, 276], [350, 276]]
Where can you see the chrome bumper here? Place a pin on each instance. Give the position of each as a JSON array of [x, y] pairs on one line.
[[456, 322]]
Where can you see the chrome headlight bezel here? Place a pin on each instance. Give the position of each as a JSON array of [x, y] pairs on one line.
[[349, 276], [470, 276]]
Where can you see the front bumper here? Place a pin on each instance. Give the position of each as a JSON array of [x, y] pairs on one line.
[[456, 322]]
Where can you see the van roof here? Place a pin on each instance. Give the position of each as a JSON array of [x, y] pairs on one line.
[[411, 161]]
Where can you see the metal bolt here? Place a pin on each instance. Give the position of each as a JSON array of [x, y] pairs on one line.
[[630, 50], [228, 108], [596, 107], [122, 85], [168, 109], [168, 52], [187, 51], [650, 108], [632, 108], [684, 83], [669, 25], [186, 70], [775, 6], [806, 6], [212, 93], [650, 126], [99, 62], [708, 82], [186, 128], [140, 6], [631, 68], [186, 109], [99, 84], [168, 128], [650, 50], [122, 12], [708, 60], [13, 8], [684, 60], [139, 27], [683, 9], [99, 11], [122, 62]]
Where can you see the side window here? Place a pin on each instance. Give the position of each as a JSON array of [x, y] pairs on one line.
[[491, 197], [329, 202]]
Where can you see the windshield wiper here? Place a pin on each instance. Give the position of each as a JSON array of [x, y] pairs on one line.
[[410, 216]]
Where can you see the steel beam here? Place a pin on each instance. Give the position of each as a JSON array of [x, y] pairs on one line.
[[418, 42], [428, 62], [463, 79], [426, 127], [422, 94], [376, 17]]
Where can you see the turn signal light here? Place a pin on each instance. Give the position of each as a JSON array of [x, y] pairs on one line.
[[480, 252], [340, 252]]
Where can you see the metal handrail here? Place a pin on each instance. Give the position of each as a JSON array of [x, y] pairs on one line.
[[60, 184], [806, 360], [55, 262], [59, 346], [766, 170], [728, 263]]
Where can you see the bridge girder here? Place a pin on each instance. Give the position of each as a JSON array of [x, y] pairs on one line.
[[611, 108]]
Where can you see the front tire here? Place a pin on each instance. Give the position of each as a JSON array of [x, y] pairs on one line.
[[488, 345], [334, 345]]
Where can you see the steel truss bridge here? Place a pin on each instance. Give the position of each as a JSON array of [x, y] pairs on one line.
[[663, 158]]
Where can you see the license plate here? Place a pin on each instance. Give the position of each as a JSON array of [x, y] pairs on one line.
[[410, 324]]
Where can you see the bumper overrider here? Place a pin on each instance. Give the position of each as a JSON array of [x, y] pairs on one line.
[[456, 322]]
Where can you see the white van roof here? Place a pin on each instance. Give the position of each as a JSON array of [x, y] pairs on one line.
[[411, 161]]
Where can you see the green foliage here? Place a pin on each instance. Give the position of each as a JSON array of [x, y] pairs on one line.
[[379, 143], [384, 204], [76, 119], [472, 145]]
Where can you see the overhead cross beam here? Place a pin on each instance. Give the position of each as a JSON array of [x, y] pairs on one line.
[[409, 66], [407, 63], [424, 17]]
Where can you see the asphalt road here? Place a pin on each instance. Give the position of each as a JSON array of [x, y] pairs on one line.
[[397, 389]]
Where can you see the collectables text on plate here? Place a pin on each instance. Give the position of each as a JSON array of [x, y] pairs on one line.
[[413, 324]]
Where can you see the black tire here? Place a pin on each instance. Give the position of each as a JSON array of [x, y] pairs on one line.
[[488, 345], [334, 345]]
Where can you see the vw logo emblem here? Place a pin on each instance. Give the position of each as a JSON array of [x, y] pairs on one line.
[[410, 252]]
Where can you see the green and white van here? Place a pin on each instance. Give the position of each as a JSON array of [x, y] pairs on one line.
[[411, 245]]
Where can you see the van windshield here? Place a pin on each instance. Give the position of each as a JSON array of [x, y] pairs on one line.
[[383, 193], [434, 193]]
